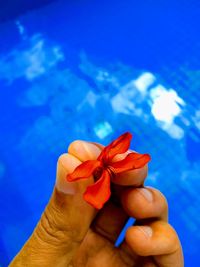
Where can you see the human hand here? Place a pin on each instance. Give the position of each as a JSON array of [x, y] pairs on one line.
[[72, 233]]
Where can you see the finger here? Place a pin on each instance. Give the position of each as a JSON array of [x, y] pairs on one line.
[[140, 203], [144, 203], [67, 200], [109, 221], [82, 150], [156, 239]]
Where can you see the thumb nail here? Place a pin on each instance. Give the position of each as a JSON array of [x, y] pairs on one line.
[[66, 164]]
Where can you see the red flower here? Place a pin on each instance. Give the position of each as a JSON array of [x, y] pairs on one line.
[[103, 168]]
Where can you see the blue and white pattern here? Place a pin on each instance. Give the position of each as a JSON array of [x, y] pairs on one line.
[[73, 71]]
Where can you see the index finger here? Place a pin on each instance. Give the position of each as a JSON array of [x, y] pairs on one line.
[[90, 150]]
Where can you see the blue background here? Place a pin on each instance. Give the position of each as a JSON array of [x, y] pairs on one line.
[[92, 70]]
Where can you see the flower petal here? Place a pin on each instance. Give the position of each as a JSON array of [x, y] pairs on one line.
[[118, 146], [84, 170], [132, 161], [97, 194]]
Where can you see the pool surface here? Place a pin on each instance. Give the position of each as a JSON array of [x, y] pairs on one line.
[[92, 70]]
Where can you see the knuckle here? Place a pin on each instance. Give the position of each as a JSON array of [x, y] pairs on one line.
[[53, 227], [47, 231]]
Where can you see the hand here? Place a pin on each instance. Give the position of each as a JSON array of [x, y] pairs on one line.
[[72, 233]]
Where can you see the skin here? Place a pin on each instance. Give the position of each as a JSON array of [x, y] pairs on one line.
[[71, 233]]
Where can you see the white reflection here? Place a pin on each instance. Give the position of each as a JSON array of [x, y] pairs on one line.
[[196, 119], [132, 94], [20, 27], [30, 62], [103, 129], [91, 98], [122, 105], [173, 130], [144, 81], [105, 76], [39, 59], [166, 104]]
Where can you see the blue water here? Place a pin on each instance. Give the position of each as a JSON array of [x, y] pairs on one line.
[[92, 70]]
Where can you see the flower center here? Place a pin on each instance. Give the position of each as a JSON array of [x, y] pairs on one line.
[[111, 171], [97, 173], [99, 170]]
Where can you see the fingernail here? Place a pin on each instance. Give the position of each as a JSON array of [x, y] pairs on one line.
[[146, 193], [147, 230], [63, 185], [69, 188]]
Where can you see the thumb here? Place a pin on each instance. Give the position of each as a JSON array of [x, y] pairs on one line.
[[68, 209], [67, 217]]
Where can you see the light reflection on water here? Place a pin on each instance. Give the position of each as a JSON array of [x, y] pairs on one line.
[[52, 102]]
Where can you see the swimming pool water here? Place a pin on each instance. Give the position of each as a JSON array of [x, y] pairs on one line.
[[91, 70]]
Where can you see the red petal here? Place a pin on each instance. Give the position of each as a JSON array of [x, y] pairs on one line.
[[132, 161], [98, 193], [84, 170], [118, 146]]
